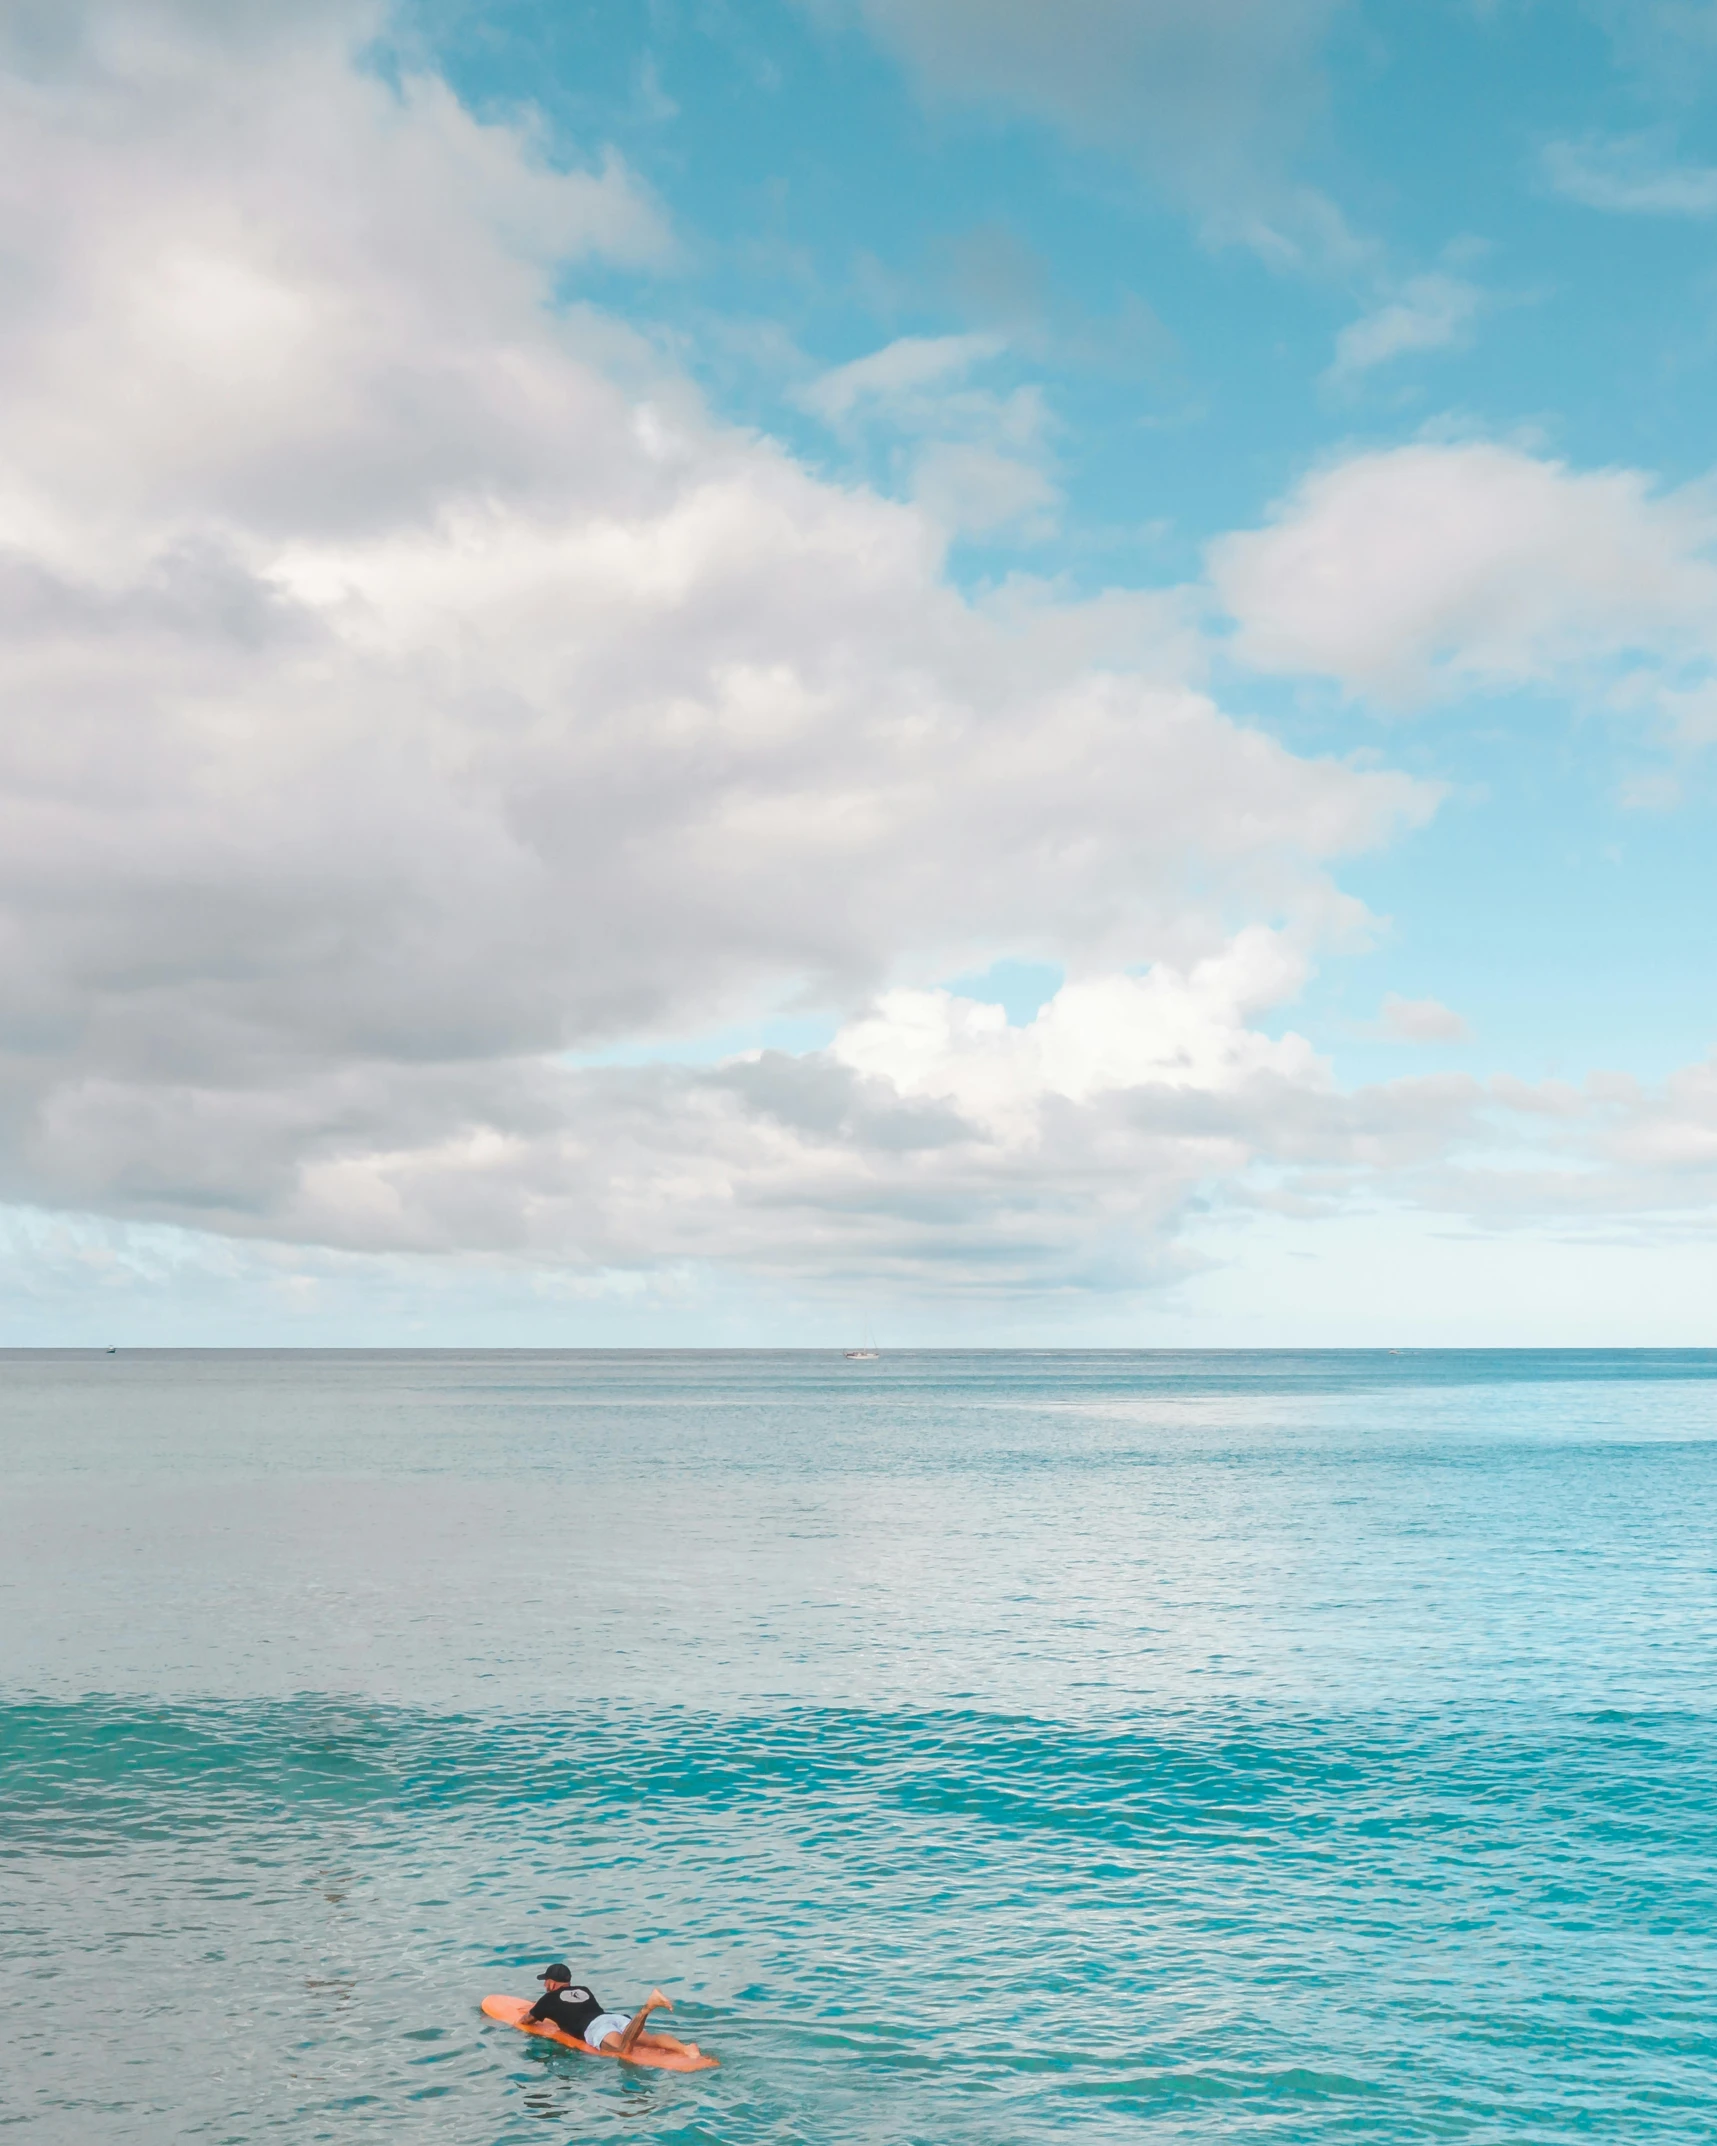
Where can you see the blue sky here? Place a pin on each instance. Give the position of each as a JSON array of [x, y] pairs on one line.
[[707, 674]]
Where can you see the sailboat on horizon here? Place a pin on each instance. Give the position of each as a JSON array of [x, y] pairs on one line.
[[867, 1351]]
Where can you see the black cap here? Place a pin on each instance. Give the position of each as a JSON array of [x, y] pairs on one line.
[[557, 1971]]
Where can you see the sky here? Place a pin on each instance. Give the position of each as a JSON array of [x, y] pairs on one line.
[[683, 673]]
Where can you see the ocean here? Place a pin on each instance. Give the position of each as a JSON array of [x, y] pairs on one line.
[[992, 1747]]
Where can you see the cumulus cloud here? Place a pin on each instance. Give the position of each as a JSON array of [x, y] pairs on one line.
[[1432, 567], [1630, 175], [1164, 1029], [931, 1146], [411, 684]]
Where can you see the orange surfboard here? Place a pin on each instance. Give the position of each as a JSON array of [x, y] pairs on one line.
[[510, 2011]]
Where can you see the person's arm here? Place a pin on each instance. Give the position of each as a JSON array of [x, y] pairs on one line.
[[535, 2012]]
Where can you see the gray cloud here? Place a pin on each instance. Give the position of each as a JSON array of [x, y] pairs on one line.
[[1211, 101], [1422, 1020]]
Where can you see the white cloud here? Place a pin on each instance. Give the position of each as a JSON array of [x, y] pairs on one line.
[[1440, 567], [1433, 312], [976, 489], [1672, 1131], [1631, 175], [409, 684], [1650, 790], [1422, 1020], [1096, 1037], [1613, 1159], [976, 459], [898, 373]]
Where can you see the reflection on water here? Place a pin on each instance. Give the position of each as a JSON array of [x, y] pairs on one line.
[[1291, 1749]]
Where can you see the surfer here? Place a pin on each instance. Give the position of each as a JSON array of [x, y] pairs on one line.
[[576, 2012]]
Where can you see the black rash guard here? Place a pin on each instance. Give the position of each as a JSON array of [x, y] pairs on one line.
[[571, 2010]]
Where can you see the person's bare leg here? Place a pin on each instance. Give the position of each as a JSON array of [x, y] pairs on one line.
[[670, 2044], [635, 2025]]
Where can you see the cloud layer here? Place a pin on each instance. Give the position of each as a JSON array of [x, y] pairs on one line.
[[413, 685], [416, 692]]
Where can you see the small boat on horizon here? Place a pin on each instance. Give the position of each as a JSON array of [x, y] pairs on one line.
[[867, 1351]]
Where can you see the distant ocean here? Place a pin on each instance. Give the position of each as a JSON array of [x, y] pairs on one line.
[[978, 1747]]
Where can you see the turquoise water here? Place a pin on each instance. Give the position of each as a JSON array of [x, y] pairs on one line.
[[984, 1748]]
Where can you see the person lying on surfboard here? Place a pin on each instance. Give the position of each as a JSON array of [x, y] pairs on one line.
[[576, 2012]]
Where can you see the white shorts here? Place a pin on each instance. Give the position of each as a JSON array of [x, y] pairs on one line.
[[604, 2024]]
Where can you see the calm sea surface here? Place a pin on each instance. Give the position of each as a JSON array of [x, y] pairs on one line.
[[991, 1748]]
